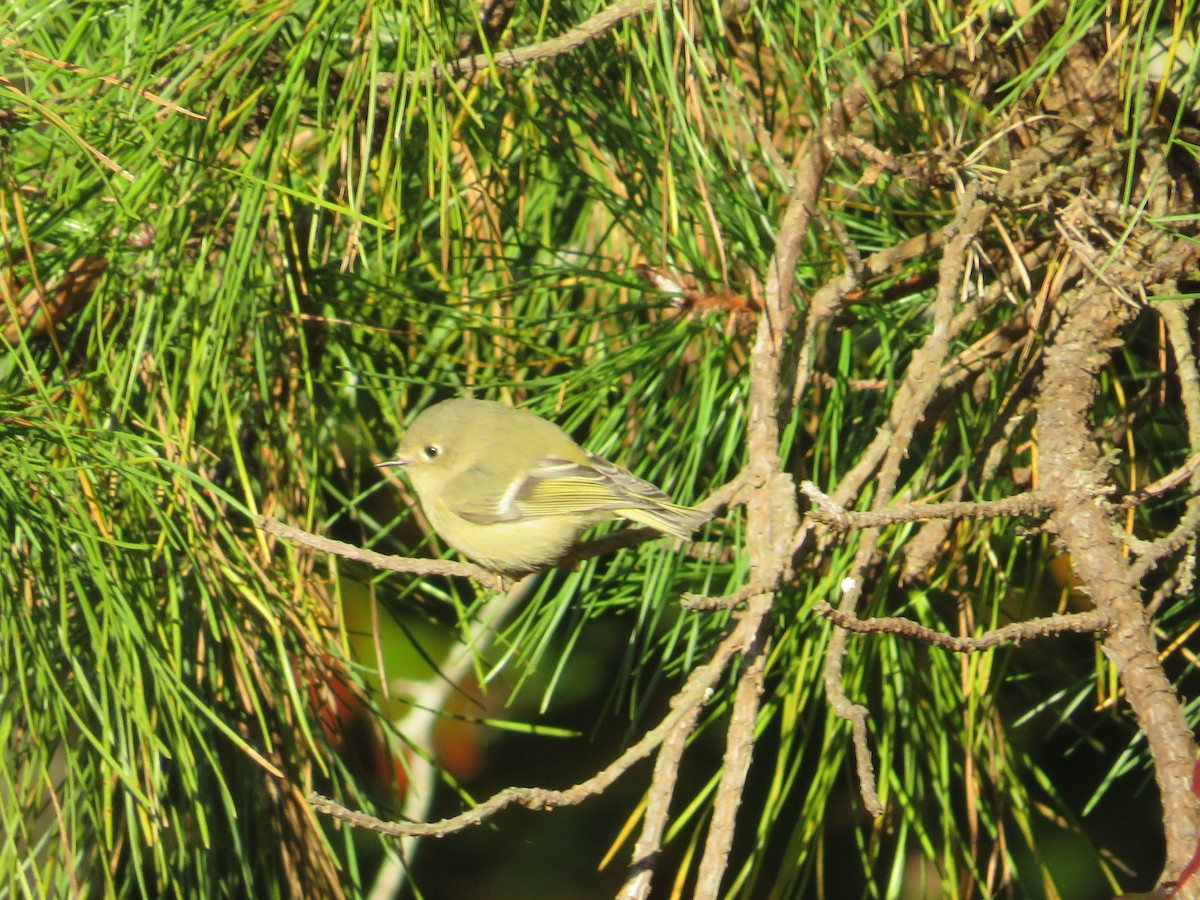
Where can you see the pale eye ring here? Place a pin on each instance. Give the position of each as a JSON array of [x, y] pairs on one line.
[[431, 451]]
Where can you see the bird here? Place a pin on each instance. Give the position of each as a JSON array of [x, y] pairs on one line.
[[513, 492]]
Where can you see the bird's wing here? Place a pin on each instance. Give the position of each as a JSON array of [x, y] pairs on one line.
[[551, 487], [473, 495], [559, 487], [646, 504], [562, 487]]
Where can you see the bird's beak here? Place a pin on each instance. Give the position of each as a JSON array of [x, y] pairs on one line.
[[398, 461]]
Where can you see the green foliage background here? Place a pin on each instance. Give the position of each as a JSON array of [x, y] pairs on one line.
[[252, 249]]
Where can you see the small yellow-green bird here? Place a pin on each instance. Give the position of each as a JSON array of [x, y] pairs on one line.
[[513, 492]]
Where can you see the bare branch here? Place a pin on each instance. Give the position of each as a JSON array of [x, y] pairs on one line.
[[658, 806], [815, 159], [1174, 315], [693, 696], [835, 692], [605, 20], [926, 544], [1072, 464], [739, 747], [891, 443], [1090, 622], [381, 560], [1174, 479], [717, 501], [827, 510], [701, 603]]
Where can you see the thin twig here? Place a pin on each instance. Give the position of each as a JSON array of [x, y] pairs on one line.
[[605, 20], [825, 509], [892, 443], [927, 542], [1090, 622], [1174, 315], [830, 297], [739, 748], [704, 603], [380, 560], [815, 160], [835, 692], [693, 695], [658, 806], [1174, 479]]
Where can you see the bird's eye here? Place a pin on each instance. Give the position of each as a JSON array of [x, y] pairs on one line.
[[432, 451]]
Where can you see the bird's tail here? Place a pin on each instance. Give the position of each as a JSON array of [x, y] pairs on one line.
[[669, 518]]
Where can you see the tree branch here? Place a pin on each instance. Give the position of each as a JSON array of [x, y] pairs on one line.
[[827, 510], [605, 20], [692, 697], [658, 806], [413, 565], [1072, 464], [718, 501], [1090, 622], [739, 749]]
